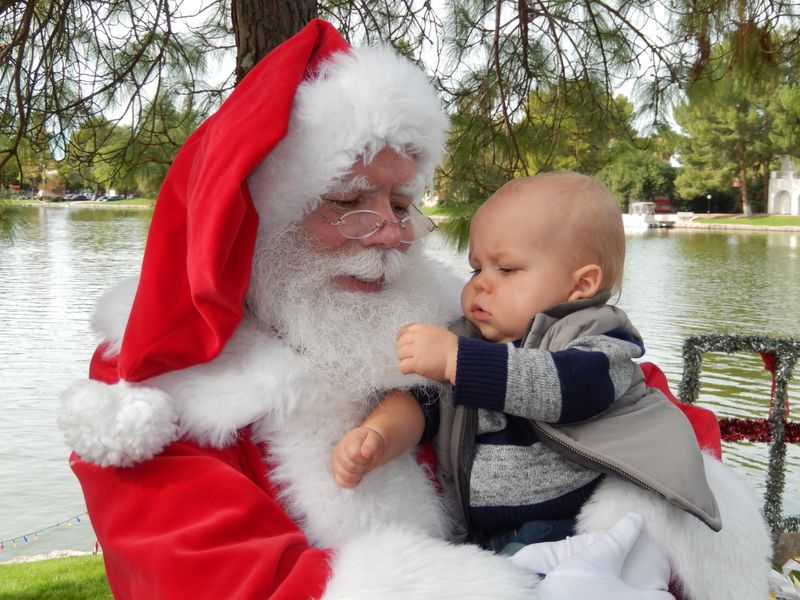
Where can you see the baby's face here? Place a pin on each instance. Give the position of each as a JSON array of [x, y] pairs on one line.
[[516, 272]]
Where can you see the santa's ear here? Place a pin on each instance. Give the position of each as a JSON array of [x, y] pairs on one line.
[[586, 282]]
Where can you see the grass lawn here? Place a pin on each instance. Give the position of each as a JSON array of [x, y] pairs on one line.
[[71, 578], [761, 220], [436, 211]]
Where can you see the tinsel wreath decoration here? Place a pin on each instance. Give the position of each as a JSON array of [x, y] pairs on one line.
[[780, 356]]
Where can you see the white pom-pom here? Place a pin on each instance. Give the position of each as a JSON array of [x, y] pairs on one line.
[[117, 425]]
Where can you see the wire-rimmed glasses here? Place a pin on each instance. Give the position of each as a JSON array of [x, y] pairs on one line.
[[362, 223]]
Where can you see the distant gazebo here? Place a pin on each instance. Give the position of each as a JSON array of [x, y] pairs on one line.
[[784, 189]]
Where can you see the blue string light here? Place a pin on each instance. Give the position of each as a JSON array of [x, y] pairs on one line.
[[35, 534]]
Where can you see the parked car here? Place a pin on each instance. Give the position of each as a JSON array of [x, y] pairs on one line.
[[79, 197], [102, 198]]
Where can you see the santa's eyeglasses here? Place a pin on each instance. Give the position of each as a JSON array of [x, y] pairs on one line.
[[362, 223]]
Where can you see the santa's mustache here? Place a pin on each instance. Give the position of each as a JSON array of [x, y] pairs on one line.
[[369, 264]]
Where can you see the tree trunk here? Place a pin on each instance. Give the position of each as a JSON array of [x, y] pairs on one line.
[[747, 211], [260, 25]]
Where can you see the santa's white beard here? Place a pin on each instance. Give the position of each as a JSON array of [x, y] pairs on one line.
[[345, 337]]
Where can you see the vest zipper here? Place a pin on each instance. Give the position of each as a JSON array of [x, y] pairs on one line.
[[604, 467], [464, 464]]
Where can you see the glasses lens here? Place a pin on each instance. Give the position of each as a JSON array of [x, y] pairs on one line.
[[419, 223], [360, 224]]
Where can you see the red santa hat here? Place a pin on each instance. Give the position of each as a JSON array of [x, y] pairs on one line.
[[294, 124]]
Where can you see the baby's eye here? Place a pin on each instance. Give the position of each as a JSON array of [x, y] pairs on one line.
[[507, 270], [474, 272]]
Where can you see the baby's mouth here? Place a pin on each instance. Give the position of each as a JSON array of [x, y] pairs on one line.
[[479, 314]]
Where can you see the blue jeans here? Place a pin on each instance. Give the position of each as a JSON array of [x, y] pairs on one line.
[[531, 532]]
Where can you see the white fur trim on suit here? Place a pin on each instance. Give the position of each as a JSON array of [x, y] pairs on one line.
[[116, 424], [360, 102], [255, 376], [732, 564], [120, 424], [396, 564], [111, 314], [124, 423]]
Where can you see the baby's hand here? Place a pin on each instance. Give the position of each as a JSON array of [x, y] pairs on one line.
[[356, 454], [427, 350]]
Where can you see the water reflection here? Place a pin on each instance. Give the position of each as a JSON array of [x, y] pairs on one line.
[[49, 281]]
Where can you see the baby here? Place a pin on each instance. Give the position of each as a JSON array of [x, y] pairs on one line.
[[547, 398]]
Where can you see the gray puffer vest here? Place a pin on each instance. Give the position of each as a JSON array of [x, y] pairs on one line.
[[642, 437]]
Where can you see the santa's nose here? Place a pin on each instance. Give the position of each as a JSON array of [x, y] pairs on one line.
[[390, 232]]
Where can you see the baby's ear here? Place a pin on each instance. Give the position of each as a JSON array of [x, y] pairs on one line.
[[586, 282]]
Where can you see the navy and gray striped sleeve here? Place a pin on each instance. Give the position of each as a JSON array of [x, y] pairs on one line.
[[564, 386], [572, 384], [481, 374]]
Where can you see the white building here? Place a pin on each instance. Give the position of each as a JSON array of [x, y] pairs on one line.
[[784, 189]]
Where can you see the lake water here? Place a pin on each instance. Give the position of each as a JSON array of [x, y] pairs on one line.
[[677, 283]]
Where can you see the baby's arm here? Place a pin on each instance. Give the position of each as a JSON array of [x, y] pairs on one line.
[[394, 426]]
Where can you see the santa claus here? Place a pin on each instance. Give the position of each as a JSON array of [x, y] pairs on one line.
[[284, 254]]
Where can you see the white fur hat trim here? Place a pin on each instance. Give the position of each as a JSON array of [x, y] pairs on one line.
[[360, 102], [117, 425]]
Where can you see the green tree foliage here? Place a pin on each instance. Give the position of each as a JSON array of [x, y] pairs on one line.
[[31, 158], [735, 119], [532, 86], [637, 174], [166, 127], [573, 127], [784, 133], [725, 145], [135, 65], [13, 220], [88, 146], [110, 157], [68, 62]]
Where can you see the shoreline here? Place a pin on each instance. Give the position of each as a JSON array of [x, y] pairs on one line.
[[691, 223], [83, 204], [681, 223], [48, 556]]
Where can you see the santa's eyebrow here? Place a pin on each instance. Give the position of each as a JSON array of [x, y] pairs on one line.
[[361, 183], [358, 183], [409, 189]]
